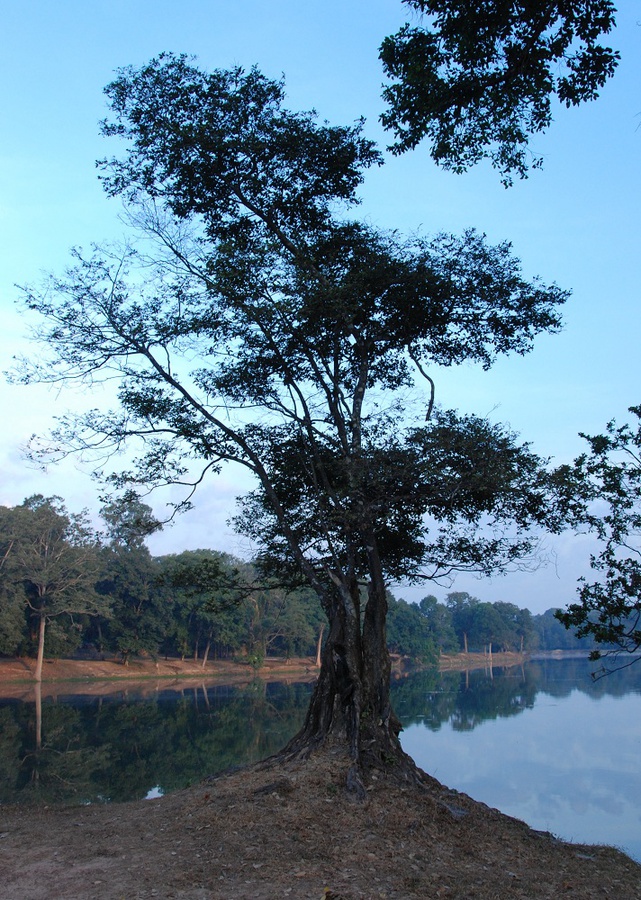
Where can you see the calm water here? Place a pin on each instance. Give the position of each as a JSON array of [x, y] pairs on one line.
[[542, 743]]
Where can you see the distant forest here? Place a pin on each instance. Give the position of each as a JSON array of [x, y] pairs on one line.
[[68, 590]]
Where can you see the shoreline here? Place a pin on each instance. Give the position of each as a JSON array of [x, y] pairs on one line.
[[93, 677]]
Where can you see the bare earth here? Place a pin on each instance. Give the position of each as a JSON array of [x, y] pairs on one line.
[[289, 830]]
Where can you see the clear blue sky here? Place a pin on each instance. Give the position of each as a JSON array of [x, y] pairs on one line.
[[578, 222]]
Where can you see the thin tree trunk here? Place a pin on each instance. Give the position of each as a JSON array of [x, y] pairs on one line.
[[319, 645], [41, 645], [38, 698], [206, 654]]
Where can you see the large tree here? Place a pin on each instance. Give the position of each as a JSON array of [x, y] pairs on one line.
[[255, 322], [477, 78]]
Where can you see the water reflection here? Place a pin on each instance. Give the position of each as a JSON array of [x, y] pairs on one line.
[[465, 700], [567, 764], [91, 749]]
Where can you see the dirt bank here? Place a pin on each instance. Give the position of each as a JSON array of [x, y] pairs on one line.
[[103, 677], [96, 677]]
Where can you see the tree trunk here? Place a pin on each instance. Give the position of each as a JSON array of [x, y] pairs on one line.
[[41, 645], [206, 654], [319, 645], [351, 700]]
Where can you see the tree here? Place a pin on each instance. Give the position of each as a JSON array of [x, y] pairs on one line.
[[461, 604], [13, 625], [607, 502], [408, 633], [208, 589], [264, 327], [486, 627], [51, 556], [477, 77], [129, 578], [551, 635], [518, 625], [439, 620]]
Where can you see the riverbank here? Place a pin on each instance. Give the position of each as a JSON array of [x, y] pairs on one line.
[[146, 676], [110, 675], [461, 662]]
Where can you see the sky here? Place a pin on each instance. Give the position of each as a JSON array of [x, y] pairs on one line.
[[577, 222]]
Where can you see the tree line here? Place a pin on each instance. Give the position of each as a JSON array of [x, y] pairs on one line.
[[66, 588]]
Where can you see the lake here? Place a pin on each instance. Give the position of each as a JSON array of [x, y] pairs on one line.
[[542, 742]]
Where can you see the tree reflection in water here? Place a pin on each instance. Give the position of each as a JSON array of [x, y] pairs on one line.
[[93, 749], [114, 748]]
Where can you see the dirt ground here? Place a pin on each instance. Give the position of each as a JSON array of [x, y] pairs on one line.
[[290, 830], [102, 677]]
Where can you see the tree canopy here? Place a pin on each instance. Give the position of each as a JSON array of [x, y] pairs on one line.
[[477, 78]]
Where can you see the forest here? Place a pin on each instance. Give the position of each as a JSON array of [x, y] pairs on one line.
[[70, 590]]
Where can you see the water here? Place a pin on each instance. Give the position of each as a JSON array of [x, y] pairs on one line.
[[125, 747], [542, 742]]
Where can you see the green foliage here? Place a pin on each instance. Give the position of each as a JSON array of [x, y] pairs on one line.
[[408, 632], [49, 564], [129, 521], [439, 621], [13, 620], [477, 77], [518, 626], [552, 635], [205, 589], [608, 503]]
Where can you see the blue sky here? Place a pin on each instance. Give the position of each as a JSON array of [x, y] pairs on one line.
[[577, 222]]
